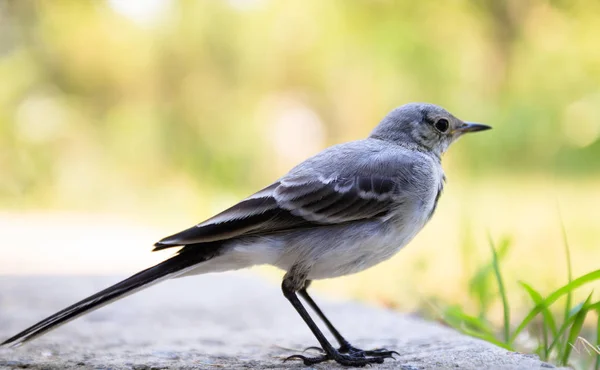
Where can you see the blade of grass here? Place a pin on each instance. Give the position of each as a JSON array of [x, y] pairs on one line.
[[455, 315], [479, 284], [548, 323], [468, 251], [589, 346], [568, 261], [537, 298], [488, 337], [575, 330], [582, 280], [597, 365], [565, 325], [501, 290], [542, 349]]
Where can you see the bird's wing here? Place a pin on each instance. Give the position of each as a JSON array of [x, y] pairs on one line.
[[295, 202]]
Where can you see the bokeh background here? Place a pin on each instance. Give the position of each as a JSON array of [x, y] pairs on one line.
[[124, 121]]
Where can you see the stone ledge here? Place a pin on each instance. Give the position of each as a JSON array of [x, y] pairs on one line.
[[231, 321]]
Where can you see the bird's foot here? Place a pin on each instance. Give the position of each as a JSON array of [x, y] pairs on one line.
[[347, 356], [342, 359], [378, 352], [347, 348]]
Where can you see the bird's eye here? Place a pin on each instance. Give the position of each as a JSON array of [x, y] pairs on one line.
[[442, 125]]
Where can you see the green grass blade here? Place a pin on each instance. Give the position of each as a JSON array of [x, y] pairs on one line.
[[485, 334], [575, 330], [568, 261], [473, 326], [548, 323], [563, 329], [480, 285], [589, 277], [501, 290], [597, 364], [487, 338], [537, 298], [456, 317]]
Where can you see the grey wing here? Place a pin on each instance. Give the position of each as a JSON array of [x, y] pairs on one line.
[[294, 203], [336, 200]]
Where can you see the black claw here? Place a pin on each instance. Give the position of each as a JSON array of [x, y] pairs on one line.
[[314, 348], [296, 357], [380, 352], [308, 360]]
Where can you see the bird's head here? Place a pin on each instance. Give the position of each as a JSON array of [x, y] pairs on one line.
[[423, 126]]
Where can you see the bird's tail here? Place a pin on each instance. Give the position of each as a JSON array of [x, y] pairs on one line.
[[175, 266]]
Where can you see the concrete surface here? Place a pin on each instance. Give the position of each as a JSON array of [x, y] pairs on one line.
[[227, 321]]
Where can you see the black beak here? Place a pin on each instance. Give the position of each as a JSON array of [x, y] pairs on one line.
[[472, 127]]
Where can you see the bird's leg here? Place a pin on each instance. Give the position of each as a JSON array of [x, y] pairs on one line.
[[292, 283], [345, 346]]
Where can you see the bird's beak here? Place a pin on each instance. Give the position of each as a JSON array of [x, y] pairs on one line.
[[471, 127]]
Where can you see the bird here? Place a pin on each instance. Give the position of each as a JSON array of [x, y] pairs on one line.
[[341, 211]]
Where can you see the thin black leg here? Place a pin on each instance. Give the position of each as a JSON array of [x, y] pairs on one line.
[[330, 352], [345, 346]]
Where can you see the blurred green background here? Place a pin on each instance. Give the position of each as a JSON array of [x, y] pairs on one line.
[[164, 112]]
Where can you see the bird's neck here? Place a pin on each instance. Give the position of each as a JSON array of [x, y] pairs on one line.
[[403, 140]]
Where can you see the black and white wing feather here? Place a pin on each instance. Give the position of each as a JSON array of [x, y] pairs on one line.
[[336, 200], [293, 203]]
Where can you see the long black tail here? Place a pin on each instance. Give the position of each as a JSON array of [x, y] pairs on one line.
[[170, 268]]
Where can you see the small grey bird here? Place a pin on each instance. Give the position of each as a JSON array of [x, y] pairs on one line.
[[341, 211]]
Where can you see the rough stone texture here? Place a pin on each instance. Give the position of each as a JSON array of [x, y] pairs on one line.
[[232, 321]]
